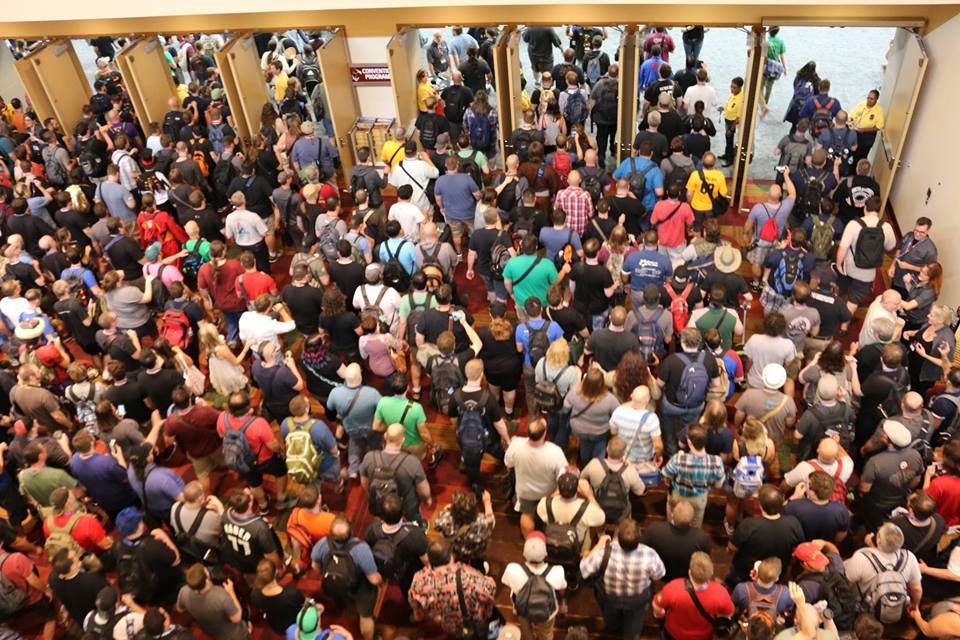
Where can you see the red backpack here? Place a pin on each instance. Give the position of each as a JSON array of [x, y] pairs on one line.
[[679, 308], [769, 230], [175, 328], [562, 165], [839, 487]]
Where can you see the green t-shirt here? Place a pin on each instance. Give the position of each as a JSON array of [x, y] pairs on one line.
[[775, 48], [204, 248], [720, 320], [419, 297], [390, 409], [40, 483], [536, 283]]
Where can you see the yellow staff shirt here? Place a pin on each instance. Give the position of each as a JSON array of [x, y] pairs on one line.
[[424, 90], [392, 152], [733, 107], [867, 117]]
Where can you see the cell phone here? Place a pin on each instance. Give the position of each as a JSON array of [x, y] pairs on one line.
[[208, 555]]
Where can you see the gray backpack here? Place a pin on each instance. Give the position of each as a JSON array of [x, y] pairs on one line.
[[888, 598]]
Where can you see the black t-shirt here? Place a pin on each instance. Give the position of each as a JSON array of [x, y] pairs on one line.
[[599, 228], [695, 145], [482, 242], [589, 297], [456, 99], [305, 304], [913, 535], [245, 541], [609, 346], [412, 545], [833, 311], [675, 546], [758, 538], [435, 322], [569, 320], [876, 387], [78, 594], [500, 357], [635, 215], [661, 146], [159, 386], [440, 124], [72, 314], [671, 371], [475, 72], [868, 360], [130, 397], [280, 610], [125, 255], [257, 191], [693, 299], [853, 191], [347, 277], [540, 42], [120, 347], [343, 337], [54, 262], [209, 222], [819, 521], [32, 229], [491, 412], [25, 273], [159, 559], [76, 223], [734, 284]]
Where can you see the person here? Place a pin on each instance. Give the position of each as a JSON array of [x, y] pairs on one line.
[[148, 562], [820, 515], [365, 579], [157, 487], [645, 266], [884, 482], [594, 481], [885, 548], [215, 608], [930, 348], [517, 577], [439, 589], [772, 534], [623, 602], [942, 487], [591, 406], [783, 269], [675, 541], [639, 427], [683, 619], [73, 586], [408, 541], [885, 306], [473, 398], [672, 218], [867, 119], [467, 531], [692, 473], [775, 409], [412, 485], [732, 110], [774, 66], [479, 257], [604, 98], [681, 398], [456, 99], [110, 617], [281, 604], [643, 174], [921, 526], [537, 463], [767, 222], [923, 291], [217, 282], [860, 253], [415, 171], [456, 195], [102, 477]]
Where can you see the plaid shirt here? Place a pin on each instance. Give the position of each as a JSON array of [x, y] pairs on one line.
[[578, 206], [434, 594], [629, 574], [694, 475]]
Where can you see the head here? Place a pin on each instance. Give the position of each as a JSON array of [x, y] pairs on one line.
[[628, 534], [889, 538], [771, 500]]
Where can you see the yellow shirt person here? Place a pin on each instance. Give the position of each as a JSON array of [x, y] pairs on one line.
[[425, 90], [392, 152], [868, 114], [698, 198], [733, 106]]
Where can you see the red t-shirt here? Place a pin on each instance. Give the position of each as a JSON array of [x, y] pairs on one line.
[[259, 434], [17, 568], [255, 283], [672, 232], [224, 291], [684, 621], [195, 430], [946, 491], [87, 532]]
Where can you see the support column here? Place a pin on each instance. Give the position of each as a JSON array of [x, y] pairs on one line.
[[405, 58], [629, 70], [342, 102]]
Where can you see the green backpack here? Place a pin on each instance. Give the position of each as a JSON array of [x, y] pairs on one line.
[[303, 459], [821, 237], [60, 537]]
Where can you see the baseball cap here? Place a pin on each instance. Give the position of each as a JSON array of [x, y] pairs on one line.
[[535, 547], [107, 598], [216, 94], [509, 632], [810, 554], [898, 434]]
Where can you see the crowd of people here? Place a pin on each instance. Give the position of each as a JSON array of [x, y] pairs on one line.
[[180, 405]]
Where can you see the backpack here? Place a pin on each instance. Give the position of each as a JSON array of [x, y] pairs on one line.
[[748, 474], [160, 295], [947, 429], [770, 230], [103, 630], [215, 131], [55, 171], [200, 158], [385, 552], [702, 265], [563, 543], [470, 167], [521, 143], [428, 132], [679, 174], [237, 453], [679, 308], [839, 486], [788, 271], [922, 442], [607, 100], [651, 335], [891, 405], [383, 480], [836, 590], [767, 603], [339, 576], [172, 123], [480, 132], [416, 315], [85, 407], [303, 459], [794, 154], [432, 268], [61, 538], [546, 393], [888, 598], [562, 165], [567, 254], [575, 108], [808, 204], [692, 390], [471, 432], [224, 173], [133, 574], [638, 180], [591, 184], [151, 230], [11, 598], [719, 387], [612, 494], [499, 258], [309, 73], [537, 341], [371, 309], [394, 275], [868, 254], [536, 601], [445, 379], [593, 71], [78, 287], [822, 116], [821, 237], [175, 328], [91, 163], [328, 239], [193, 260]]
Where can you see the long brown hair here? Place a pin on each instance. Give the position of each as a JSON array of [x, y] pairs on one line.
[[481, 106], [631, 373], [500, 329], [592, 387]]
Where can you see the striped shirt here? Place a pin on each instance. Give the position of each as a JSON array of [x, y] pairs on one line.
[[694, 474], [638, 428], [629, 574]]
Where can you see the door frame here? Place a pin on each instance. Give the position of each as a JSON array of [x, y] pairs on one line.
[[628, 90], [343, 108], [746, 130]]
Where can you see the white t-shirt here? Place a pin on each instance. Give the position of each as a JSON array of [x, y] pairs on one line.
[[874, 311], [537, 467], [860, 571], [515, 577], [700, 92], [802, 471], [409, 216], [851, 233], [389, 305], [564, 511], [417, 174], [261, 328], [763, 350], [245, 228], [13, 308]]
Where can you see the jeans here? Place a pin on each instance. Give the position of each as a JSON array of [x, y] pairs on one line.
[[606, 132], [558, 428], [668, 415], [592, 447], [598, 321], [359, 444], [529, 382], [231, 320], [625, 615], [692, 50], [494, 286]]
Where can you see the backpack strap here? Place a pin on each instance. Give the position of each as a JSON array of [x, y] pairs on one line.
[[579, 514], [550, 517], [558, 376], [353, 402], [532, 266], [775, 410]]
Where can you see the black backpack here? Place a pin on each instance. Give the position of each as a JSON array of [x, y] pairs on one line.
[[445, 379], [842, 600], [809, 203], [172, 123], [133, 574], [537, 341], [394, 275], [224, 172], [339, 574], [429, 131], [507, 198], [536, 601], [546, 393], [92, 165], [947, 429], [868, 254], [612, 494], [521, 143], [563, 543], [383, 479], [385, 552], [102, 630], [591, 182], [470, 167]]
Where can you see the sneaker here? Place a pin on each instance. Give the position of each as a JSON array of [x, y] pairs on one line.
[[437, 457], [273, 257], [486, 567], [727, 527]]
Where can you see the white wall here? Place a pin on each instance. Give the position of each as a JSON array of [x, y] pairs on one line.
[[374, 101], [927, 182], [10, 85]]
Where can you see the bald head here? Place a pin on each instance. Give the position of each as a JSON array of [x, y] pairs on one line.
[[573, 178], [457, 77], [682, 514], [912, 402], [395, 434], [354, 375], [890, 300], [590, 157], [513, 163], [428, 232], [640, 397], [828, 450]]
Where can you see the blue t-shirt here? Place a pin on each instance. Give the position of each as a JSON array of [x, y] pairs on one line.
[[741, 597], [104, 479], [84, 274], [762, 211], [809, 108], [361, 554], [944, 408], [163, 489], [647, 266], [323, 442], [650, 71], [836, 140], [652, 181], [360, 419], [554, 333], [407, 254], [555, 239], [457, 191]]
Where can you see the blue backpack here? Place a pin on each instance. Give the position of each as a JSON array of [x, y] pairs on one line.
[[748, 474], [471, 432], [215, 134], [593, 69], [237, 454], [788, 272], [692, 390], [480, 133], [650, 335], [575, 109]]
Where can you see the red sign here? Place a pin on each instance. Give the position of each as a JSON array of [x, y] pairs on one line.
[[370, 74]]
